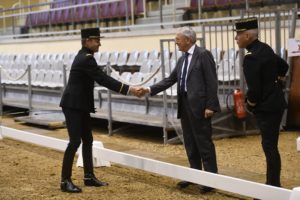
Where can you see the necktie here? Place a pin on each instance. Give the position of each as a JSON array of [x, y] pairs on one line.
[[183, 77]]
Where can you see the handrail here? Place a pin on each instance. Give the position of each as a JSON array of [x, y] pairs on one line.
[[129, 27], [125, 27], [25, 7], [74, 7], [13, 78], [62, 8], [134, 84]]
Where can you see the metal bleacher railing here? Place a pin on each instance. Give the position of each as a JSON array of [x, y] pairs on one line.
[[64, 17], [58, 13]]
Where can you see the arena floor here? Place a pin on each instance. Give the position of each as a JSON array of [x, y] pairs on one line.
[[32, 172]]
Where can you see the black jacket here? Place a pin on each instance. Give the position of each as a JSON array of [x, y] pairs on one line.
[[79, 92], [262, 68], [202, 83]]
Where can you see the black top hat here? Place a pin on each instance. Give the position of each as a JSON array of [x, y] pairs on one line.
[[246, 24], [90, 33]]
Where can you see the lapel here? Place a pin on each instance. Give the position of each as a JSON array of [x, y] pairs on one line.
[[194, 58]]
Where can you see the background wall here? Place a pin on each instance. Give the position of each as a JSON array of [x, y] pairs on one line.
[[73, 45], [128, 43]]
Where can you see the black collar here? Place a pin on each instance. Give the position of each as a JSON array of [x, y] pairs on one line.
[[252, 45], [87, 50]]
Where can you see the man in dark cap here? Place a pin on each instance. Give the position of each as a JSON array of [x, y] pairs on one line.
[[78, 101], [263, 71]]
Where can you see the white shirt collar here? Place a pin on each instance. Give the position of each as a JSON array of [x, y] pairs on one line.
[[191, 50]]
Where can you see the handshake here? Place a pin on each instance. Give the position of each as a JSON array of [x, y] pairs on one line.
[[139, 91]]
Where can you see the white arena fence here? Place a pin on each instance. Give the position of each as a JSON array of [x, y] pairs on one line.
[[218, 181]]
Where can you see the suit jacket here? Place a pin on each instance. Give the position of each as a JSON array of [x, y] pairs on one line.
[[79, 92], [262, 68], [201, 83]]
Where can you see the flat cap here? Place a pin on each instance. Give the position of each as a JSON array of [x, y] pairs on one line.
[[90, 33], [246, 24]]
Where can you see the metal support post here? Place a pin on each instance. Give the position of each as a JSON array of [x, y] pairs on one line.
[[199, 10], [29, 89], [289, 73], [291, 35], [160, 13], [247, 5], [132, 11], [165, 114], [126, 15], [145, 8], [1, 100], [64, 70], [277, 32], [109, 103]]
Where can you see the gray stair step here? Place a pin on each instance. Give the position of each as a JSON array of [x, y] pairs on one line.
[[164, 12], [153, 20], [177, 5], [182, 2]]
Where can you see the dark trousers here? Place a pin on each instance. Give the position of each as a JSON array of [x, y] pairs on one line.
[[79, 129], [197, 133], [269, 124]]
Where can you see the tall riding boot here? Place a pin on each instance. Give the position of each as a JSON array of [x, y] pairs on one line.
[[91, 180], [68, 186]]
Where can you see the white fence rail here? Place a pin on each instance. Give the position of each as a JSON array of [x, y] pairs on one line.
[[230, 184]]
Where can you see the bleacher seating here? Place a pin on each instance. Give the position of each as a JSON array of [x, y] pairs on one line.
[[226, 67], [137, 77], [143, 56], [146, 62], [47, 76], [113, 59], [214, 5], [104, 59], [110, 10], [146, 66], [169, 66], [122, 60], [133, 59], [216, 52], [153, 55]]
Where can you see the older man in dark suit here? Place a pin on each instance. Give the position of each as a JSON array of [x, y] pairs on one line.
[[77, 102], [197, 98]]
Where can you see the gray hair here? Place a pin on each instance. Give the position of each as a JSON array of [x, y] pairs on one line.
[[253, 33], [188, 32]]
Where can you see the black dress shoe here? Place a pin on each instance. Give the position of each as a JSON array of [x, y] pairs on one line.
[[68, 186], [205, 189], [183, 184], [93, 181]]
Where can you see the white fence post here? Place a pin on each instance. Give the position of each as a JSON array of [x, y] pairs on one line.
[[97, 158], [298, 144], [295, 193]]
